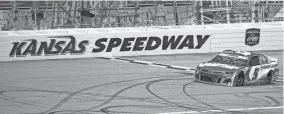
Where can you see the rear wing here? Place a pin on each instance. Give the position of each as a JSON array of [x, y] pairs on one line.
[[245, 53], [272, 59]]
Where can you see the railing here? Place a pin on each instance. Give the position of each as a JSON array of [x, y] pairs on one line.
[[166, 14]]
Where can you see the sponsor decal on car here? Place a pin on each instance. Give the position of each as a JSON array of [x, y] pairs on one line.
[[268, 66], [252, 36]]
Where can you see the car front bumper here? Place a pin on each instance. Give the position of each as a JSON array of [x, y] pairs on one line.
[[216, 80]]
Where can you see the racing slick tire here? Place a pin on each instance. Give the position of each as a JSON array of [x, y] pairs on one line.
[[269, 77], [240, 80]]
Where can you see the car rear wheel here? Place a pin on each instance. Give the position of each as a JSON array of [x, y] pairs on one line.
[[240, 80], [269, 78]]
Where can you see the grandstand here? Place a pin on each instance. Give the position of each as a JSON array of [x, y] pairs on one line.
[[37, 15]]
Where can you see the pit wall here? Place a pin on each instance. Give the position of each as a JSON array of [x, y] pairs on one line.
[[93, 42]]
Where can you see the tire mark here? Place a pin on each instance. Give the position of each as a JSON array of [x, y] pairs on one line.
[[139, 99], [133, 98], [208, 94], [211, 106], [29, 102], [119, 92], [107, 111], [184, 91], [262, 101], [275, 101], [44, 91], [74, 112], [24, 101], [5, 97], [71, 95], [173, 103], [113, 96], [254, 99]]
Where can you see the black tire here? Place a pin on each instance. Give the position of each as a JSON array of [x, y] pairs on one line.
[[240, 80], [269, 78]]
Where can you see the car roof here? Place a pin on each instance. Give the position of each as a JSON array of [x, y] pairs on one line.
[[240, 53]]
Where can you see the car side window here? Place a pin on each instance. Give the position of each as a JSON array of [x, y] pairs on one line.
[[263, 60], [254, 61]]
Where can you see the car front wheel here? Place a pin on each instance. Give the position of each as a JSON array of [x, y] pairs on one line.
[[240, 80]]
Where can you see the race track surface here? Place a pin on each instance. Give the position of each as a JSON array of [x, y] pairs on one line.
[[104, 86]]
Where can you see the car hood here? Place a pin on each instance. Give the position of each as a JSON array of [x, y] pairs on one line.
[[217, 66]]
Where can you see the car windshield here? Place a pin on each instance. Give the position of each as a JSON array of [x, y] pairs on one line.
[[230, 60]]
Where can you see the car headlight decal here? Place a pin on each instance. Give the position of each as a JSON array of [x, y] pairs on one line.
[[229, 72], [197, 70]]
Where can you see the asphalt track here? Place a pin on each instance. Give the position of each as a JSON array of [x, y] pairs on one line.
[[112, 86]]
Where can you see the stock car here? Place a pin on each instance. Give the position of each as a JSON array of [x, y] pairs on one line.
[[238, 68]]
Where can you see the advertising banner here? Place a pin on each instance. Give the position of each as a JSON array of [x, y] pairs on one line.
[[100, 45], [86, 43]]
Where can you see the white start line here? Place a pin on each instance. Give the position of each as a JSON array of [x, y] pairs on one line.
[[208, 111]]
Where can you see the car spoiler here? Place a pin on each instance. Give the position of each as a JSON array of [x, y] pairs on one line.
[[272, 59]]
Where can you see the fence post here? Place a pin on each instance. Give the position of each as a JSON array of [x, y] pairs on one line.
[[53, 15], [136, 12], [15, 15], [252, 13], [175, 12], [82, 19], [201, 12], [227, 12]]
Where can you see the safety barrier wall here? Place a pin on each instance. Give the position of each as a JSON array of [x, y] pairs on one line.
[[84, 43], [270, 38]]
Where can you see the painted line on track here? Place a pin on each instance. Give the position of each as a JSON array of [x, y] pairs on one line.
[[149, 63], [238, 109]]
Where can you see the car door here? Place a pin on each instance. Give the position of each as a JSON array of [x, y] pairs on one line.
[[254, 66], [265, 66]]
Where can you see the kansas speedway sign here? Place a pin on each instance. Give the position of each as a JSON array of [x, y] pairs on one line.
[[150, 43], [88, 45]]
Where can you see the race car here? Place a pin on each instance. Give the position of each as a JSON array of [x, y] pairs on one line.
[[238, 68]]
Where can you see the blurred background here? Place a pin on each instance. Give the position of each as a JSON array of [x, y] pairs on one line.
[[42, 15]]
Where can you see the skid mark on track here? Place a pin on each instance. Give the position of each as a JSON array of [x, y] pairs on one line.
[[107, 101], [275, 101], [115, 96], [73, 112], [161, 102], [107, 109], [139, 99], [206, 104], [265, 102], [248, 96], [219, 111], [187, 94], [119, 92], [60, 103], [8, 98], [191, 107], [166, 103]]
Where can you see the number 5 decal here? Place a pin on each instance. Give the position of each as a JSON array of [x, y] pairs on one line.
[[255, 74]]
